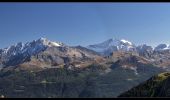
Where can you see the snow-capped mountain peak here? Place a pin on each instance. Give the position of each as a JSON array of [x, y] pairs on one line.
[[27, 49], [111, 45]]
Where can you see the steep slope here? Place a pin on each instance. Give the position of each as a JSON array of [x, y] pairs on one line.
[[157, 86]]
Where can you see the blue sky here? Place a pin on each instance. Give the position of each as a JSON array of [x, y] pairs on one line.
[[84, 23]]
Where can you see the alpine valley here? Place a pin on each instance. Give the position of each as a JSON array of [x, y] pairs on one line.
[[44, 68]]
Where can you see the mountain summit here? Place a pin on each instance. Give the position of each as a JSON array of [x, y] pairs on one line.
[[22, 51], [29, 47], [46, 42], [111, 45]]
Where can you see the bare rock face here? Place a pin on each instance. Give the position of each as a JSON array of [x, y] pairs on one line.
[[145, 51], [161, 47]]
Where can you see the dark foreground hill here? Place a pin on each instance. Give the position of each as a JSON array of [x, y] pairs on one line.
[[157, 86]]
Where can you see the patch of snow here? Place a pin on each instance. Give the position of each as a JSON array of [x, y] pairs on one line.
[[55, 44], [125, 41], [167, 47]]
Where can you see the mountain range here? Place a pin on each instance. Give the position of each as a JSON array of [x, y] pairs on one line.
[[55, 69]]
